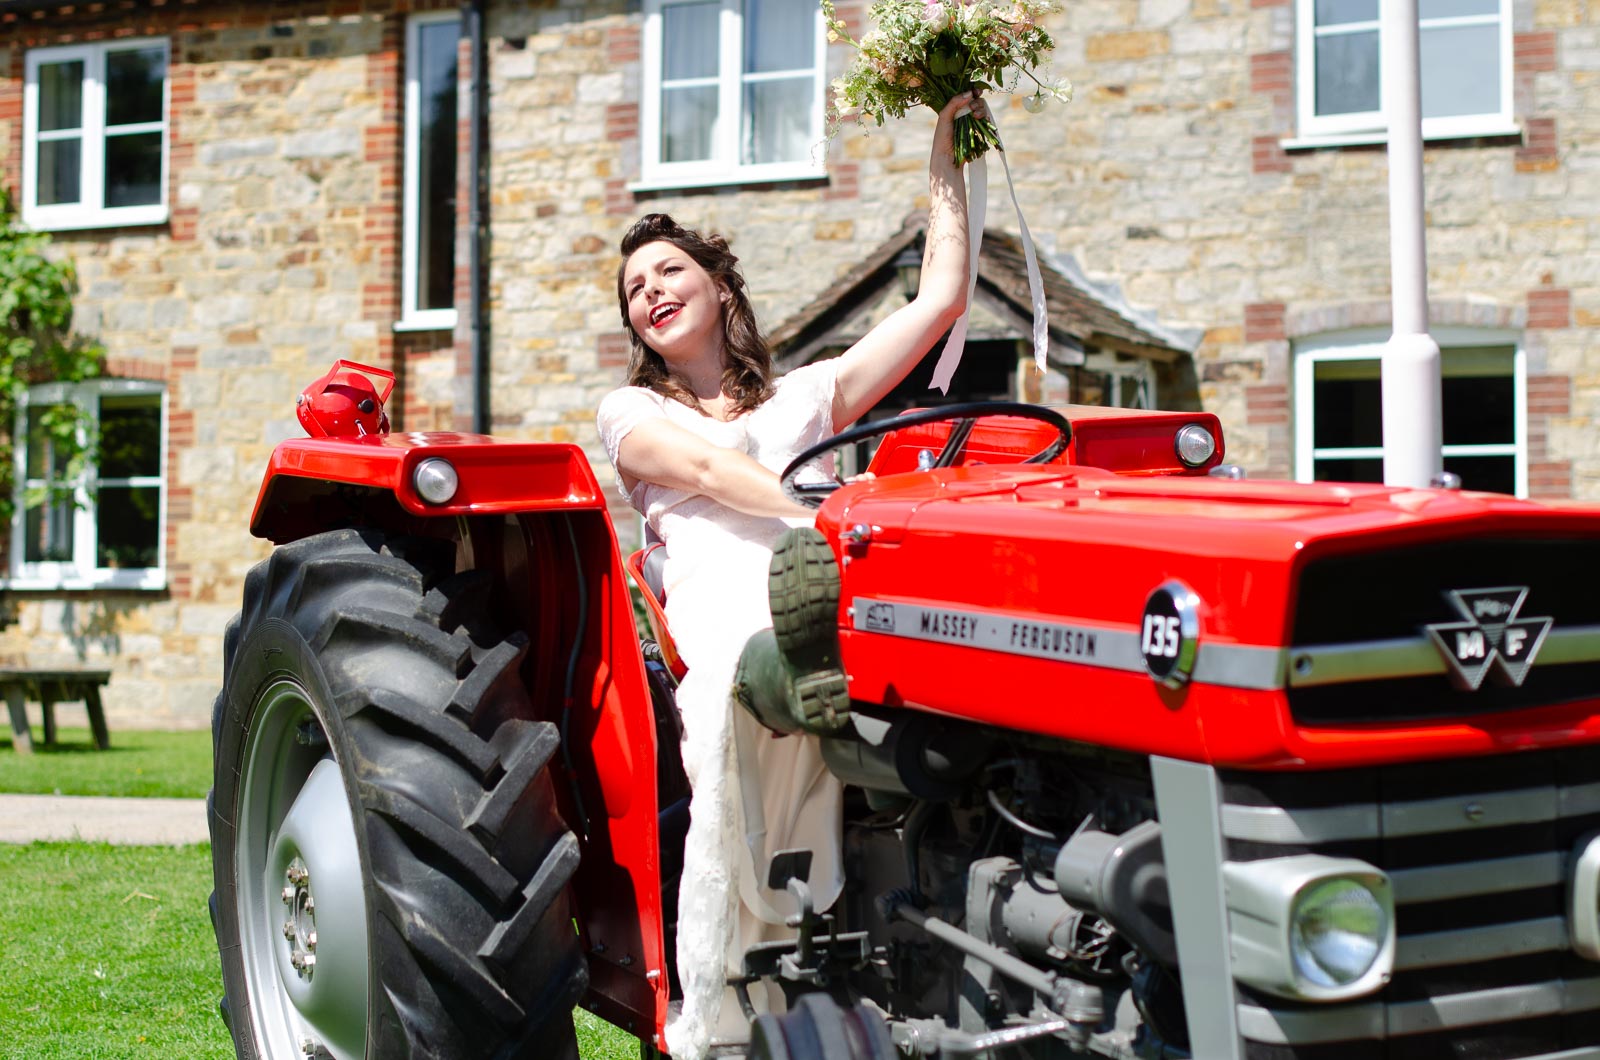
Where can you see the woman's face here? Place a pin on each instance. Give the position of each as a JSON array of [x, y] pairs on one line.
[[674, 305]]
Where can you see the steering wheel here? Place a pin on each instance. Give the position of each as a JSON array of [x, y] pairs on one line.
[[966, 414]]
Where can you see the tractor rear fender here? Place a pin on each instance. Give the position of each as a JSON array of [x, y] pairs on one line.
[[494, 478], [533, 516]]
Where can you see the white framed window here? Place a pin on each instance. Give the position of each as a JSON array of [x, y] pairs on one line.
[[732, 92], [107, 531], [94, 140], [1124, 383], [1338, 408], [428, 253], [1466, 69]]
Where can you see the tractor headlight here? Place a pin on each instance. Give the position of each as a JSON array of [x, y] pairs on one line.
[[436, 481], [1311, 928], [1194, 445], [1336, 928]]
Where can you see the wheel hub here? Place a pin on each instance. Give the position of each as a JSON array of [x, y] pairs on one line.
[[300, 930]]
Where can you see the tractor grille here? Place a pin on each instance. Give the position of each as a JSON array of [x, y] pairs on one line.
[[1478, 850], [1383, 598]]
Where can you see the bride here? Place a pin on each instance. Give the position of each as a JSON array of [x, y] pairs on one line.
[[697, 439]]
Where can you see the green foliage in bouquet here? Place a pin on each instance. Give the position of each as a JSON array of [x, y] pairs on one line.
[[926, 51]]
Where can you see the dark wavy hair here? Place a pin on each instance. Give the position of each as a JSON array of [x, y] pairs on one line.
[[747, 361]]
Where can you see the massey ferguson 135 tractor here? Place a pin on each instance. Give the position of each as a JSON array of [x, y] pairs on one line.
[[1141, 761]]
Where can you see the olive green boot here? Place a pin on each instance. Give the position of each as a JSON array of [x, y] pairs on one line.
[[790, 677]]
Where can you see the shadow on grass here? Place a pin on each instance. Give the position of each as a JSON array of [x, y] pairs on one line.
[[138, 764]]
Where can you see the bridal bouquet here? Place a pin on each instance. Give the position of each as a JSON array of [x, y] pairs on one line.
[[925, 51]]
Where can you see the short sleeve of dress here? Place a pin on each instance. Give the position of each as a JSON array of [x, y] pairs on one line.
[[814, 386], [620, 412]]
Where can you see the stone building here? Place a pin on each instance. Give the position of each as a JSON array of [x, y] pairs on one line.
[[251, 191]]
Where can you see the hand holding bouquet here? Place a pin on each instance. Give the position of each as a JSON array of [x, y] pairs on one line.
[[926, 51]]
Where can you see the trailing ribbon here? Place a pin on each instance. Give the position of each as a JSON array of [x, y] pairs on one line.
[[977, 207]]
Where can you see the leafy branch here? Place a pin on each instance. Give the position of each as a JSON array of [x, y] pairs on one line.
[[37, 345]]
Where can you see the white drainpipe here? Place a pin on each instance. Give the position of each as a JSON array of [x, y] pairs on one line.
[[1412, 406]]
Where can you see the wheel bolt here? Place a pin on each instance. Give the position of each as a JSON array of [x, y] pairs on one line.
[[288, 895], [311, 941], [289, 930]]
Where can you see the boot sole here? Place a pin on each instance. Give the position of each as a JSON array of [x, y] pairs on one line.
[[803, 590]]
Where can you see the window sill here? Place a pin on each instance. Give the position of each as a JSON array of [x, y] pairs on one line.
[[439, 321], [1380, 137], [122, 581], [730, 179], [58, 220]]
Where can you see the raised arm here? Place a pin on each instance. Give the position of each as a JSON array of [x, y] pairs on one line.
[[666, 454], [870, 369]]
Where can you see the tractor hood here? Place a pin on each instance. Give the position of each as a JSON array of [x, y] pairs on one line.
[[1269, 624]]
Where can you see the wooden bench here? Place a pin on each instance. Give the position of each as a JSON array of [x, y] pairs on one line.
[[50, 687]]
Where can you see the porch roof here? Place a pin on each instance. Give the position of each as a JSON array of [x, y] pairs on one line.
[[1081, 314]]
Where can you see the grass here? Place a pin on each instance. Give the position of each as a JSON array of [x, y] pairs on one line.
[[108, 953], [139, 764]]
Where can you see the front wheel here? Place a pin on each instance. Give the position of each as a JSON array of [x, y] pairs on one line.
[[391, 869]]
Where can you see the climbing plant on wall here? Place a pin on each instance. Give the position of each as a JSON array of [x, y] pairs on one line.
[[38, 345]]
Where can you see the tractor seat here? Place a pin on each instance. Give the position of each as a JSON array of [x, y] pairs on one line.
[[646, 567]]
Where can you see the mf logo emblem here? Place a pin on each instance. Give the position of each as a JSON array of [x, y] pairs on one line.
[[1494, 637]]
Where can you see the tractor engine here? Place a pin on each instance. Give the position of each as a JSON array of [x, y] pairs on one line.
[[970, 846]]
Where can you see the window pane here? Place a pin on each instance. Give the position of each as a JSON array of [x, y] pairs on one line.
[[1479, 410], [1347, 73], [1338, 12], [126, 526], [1427, 9], [130, 436], [1460, 70], [1348, 404], [61, 96], [134, 81], [436, 191], [1493, 474], [687, 115], [47, 535], [133, 169], [778, 36], [689, 35], [777, 121], [41, 460], [60, 171], [1360, 469]]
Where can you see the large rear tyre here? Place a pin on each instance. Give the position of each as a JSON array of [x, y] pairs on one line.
[[391, 869]]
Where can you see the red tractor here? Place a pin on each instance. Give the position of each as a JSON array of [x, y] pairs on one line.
[[1142, 760]]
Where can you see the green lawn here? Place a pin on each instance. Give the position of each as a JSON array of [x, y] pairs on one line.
[[108, 953], [138, 764]]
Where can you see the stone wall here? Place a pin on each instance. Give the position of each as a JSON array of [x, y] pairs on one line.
[[1167, 178], [281, 256]]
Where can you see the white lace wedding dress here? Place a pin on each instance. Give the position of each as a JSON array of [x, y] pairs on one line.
[[753, 793]]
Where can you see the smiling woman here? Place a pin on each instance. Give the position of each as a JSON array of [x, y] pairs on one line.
[[697, 440]]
